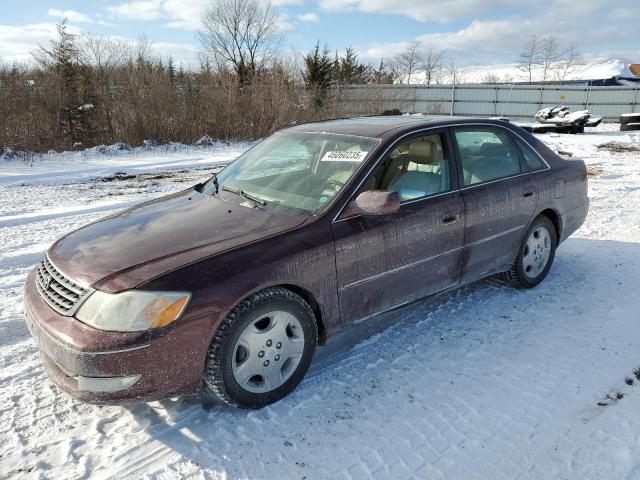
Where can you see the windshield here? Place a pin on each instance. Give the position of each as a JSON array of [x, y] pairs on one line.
[[295, 169]]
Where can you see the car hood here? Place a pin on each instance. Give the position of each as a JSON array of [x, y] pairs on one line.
[[140, 243]]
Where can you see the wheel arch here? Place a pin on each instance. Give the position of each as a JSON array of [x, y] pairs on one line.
[[308, 297], [552, 215], [305, 294]]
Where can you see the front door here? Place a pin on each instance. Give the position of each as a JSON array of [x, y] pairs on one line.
[[388, 260], [499, 198]]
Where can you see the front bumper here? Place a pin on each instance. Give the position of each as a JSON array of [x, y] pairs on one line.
[[103, 367]]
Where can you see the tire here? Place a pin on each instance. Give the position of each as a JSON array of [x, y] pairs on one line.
[[246, 358], [529, 272], [629, 118], [629, 127]]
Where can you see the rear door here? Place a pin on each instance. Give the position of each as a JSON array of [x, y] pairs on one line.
[[388, 260], [499, 198]]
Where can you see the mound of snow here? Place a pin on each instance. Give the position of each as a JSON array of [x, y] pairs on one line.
[[206, 141], [9, 154], [115, 149], [596, 69]]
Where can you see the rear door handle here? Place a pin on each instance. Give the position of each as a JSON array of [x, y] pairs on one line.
[[450, 218], [527, 194]]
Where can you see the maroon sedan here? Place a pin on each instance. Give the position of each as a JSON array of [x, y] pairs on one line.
[[232, 284]]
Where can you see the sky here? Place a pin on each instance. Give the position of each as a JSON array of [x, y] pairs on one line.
[[472, 32]]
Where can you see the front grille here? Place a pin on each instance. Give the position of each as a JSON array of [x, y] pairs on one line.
[[62, 293]]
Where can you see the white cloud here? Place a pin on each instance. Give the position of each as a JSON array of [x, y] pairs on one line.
[[421, 10], [184, 54], [182, 14], [137, 10], [624, 13], [280, 3], [449, 10], [500, 40], [309, 17], [72, 15], [17, 42], [283, 23]]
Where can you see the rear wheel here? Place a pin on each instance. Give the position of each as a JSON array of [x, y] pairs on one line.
[[262, 350], [535, 256]]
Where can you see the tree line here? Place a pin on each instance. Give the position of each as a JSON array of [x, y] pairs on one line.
[[88, 90], [92, 90], [82, 91]]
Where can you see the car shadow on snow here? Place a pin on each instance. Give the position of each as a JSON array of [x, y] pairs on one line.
[[594, 270]]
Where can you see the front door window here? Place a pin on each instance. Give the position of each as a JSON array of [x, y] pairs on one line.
[[415, 168]]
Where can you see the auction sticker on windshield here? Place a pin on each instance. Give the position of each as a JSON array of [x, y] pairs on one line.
[[344, 156]]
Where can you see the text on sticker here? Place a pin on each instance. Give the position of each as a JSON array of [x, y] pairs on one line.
[[343, 156]]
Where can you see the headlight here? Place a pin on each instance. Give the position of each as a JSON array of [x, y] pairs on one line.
[[133, 310]]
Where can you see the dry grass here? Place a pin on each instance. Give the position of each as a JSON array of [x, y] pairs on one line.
[[619, 147]]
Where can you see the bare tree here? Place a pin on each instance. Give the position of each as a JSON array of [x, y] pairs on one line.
[[570, 60], [491, 78], [433, 65], [529, 58], [105, 56], [453, 72], [549, 55], [408, 61], [142, 51], [241, 35]]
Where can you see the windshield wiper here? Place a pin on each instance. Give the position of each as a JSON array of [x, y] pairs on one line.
[[248, 196]]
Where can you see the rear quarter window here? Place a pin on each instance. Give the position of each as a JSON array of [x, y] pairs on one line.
[[531, 158]]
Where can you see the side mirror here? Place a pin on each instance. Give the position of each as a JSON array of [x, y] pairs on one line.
[[373, 202]]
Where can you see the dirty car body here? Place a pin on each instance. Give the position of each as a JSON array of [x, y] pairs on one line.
[[468, 190]]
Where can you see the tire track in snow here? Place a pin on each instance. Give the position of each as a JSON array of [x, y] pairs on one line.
[[39, 216]]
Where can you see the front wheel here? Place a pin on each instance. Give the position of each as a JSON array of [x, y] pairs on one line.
[[535, 256], [262, 349]]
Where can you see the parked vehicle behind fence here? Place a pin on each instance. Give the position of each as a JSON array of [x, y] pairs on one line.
[[231, 285]]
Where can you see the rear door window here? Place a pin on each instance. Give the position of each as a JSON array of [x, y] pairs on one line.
[[486, 154]]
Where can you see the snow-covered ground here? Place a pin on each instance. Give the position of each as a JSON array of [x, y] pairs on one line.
[[483, 382]]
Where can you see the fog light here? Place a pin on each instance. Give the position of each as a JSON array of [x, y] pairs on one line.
[[106, 384]]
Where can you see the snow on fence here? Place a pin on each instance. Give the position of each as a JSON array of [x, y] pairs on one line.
[[513, 101]]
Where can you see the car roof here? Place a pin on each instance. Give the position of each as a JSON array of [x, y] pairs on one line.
[[376, 126]]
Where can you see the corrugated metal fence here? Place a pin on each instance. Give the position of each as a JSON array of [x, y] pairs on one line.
[[513, 101]]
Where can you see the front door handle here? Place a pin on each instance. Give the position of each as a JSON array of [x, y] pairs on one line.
[[450, 218], [528, 193]]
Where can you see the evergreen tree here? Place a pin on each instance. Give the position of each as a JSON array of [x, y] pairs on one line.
[[349, 71], [383, 75], [317, 74], [76, 109], [171, 71]]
